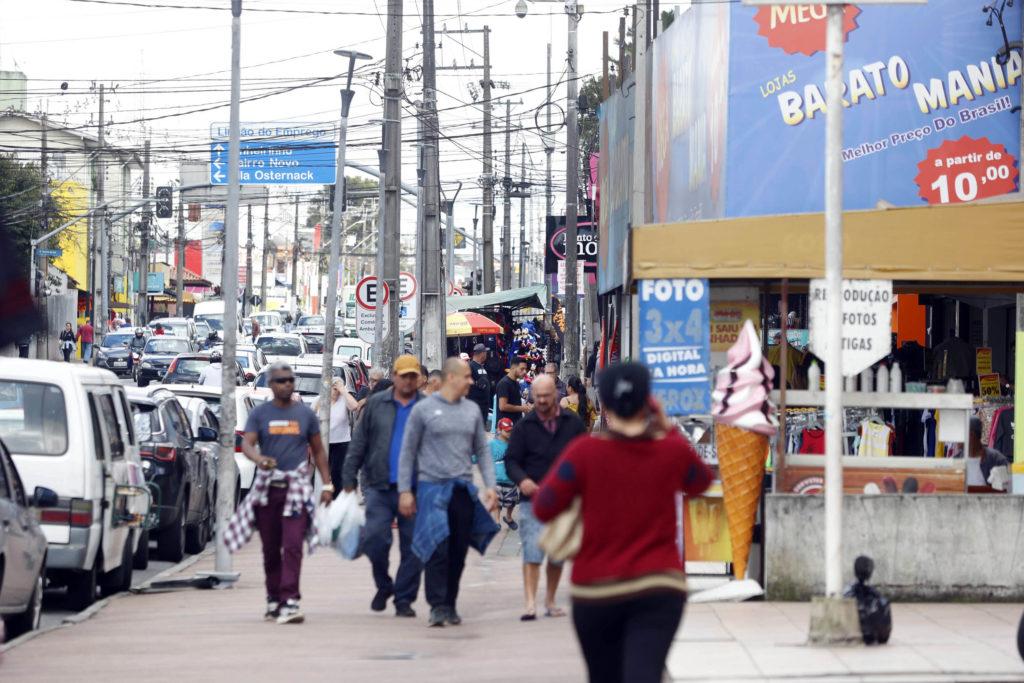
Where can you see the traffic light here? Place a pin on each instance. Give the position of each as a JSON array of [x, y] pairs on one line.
[[164, 202], [478, 281]]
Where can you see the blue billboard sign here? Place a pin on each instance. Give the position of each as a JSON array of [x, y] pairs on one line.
[[675, 343], [615, 173], [277, 154]]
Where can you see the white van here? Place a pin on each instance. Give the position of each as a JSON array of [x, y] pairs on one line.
[[69, 428], [271, 321], [212, 313]]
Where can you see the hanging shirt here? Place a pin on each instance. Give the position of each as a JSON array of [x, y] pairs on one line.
[[813, 442], [875, 440]]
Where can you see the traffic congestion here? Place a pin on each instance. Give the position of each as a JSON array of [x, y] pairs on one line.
[[111, 457]]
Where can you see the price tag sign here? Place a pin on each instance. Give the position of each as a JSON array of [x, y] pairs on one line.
[[675, 343], [983, 361], [989, 385]]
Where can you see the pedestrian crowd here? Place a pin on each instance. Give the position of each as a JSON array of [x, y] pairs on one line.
[[416, 446]]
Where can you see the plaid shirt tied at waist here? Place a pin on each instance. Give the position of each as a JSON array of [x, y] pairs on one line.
[[299, 501]]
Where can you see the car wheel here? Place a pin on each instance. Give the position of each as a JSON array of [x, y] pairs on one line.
[[140, 560], [82, 586], [170, 541], [142, 382], [18, 624], [120, 579]]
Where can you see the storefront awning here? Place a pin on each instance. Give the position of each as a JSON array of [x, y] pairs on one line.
[[963, 243], [524, 297]]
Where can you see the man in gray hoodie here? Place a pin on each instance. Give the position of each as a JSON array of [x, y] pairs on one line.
[[444, 430]]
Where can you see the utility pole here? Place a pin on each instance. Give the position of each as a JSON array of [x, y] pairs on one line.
[[179, 245], [431, 284], [506, 183], [101, 296], [247, 298], [295, 253], [488, 171], [42, 350], [476, 252], [266, 249], [389, 242], [142, 316], [571, 350], [523, 194], [549, 149], [226, 468]]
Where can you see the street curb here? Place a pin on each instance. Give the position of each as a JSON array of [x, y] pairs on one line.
[[94, 609]]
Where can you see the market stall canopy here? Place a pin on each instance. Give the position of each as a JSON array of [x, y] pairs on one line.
[[523, 297], [470, 325], [961, 243]]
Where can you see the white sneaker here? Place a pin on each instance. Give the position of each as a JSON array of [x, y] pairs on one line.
[[290, 613], [273, 610]]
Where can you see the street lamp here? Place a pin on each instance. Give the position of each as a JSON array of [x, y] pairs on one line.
[[326, 370]]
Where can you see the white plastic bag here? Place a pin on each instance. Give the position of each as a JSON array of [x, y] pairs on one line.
[[324, 529], [347, 521]]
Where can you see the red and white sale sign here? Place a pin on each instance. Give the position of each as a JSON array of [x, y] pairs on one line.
[[966, 169]]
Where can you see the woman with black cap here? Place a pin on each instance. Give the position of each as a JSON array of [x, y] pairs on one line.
[[628, 584]]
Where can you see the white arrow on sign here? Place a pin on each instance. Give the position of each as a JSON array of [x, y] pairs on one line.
[[867, 322], [218, 176], [219, 147]]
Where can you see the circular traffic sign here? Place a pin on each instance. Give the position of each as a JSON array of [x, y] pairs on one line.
[[366, 290], [406, 281]]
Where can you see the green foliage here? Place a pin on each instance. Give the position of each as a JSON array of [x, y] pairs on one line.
[[22, 207]]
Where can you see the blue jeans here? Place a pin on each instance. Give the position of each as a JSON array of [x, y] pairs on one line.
[[86, 351], [381, 511]]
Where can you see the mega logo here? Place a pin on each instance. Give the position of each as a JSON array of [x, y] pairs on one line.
[[800, 28]]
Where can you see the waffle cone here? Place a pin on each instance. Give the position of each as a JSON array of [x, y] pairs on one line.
[[741, 456]]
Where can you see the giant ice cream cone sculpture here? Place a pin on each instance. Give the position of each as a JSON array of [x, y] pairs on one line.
[[744, 419]]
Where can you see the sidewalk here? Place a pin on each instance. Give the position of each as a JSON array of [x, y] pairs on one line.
[[209, 635]]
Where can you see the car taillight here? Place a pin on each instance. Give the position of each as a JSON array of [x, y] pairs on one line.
[[76, 512], [238, 441], [157, 452]]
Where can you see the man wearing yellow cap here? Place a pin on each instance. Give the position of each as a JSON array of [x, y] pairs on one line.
[[375, 448]]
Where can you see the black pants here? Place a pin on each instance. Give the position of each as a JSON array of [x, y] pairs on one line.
[[444, 569], [628, 640], [336, 461]]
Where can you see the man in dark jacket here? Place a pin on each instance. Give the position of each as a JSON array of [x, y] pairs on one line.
[[480, 392], [537, 441], [375, 449]]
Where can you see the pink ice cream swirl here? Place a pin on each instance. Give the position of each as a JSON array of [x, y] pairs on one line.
[[742, 388]]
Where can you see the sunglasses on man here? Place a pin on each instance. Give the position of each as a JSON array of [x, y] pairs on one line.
[[283, 380]]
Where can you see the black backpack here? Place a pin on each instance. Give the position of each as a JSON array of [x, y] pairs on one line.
[[872, 607]]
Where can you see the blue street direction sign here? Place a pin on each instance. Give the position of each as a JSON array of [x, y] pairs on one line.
[[276, 154], [49, 253]]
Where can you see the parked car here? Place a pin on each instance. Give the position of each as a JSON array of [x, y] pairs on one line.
[[22, 550], [177, 327], [112, 352], [186, 368], [282, 345], [201, 415], [177, 470], [70, 429], [311, 323], [157, 355]]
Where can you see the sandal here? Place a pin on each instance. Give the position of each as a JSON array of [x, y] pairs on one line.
[[529, 616], [554, 612]]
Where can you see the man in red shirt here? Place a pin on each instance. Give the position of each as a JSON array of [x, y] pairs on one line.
[[85, 335]]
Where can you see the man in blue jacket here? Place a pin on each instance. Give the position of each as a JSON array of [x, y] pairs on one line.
[[375, 448]]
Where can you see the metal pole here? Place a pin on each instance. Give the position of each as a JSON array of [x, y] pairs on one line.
[[295, 253], [548, 147], [179, 244], [570, 352], [378, 269], [506, 183], [102, 293], [522, 217], [226, 469], [488, 179], [476, 252], [326, 370], [390, 244], [266, 248], [834, 279], [432, 285], [247, 299], [147, 222], [42, 350]]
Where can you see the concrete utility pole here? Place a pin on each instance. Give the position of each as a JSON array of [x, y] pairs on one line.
[[330, 315], [549, 148], [488, 179], [226, 469], [42, 350], [523, 194], [179, 246], [266, 250], [142, 316], [506, 184], [247, 298], [571, 348], [431, 284], [102, 284], [390, 237], [295, 253]]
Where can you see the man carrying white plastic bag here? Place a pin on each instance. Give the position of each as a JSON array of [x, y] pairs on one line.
[[342, 524]]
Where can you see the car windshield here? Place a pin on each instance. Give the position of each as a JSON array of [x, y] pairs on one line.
[[146, 419], [215, 321], [350, 309], [279, 346], [307, 385], [158, 345], [178, 329], [190, 366], [213, 402], [113, 341], [311, 320], [202, 329], [33, 420], [348, 351], [243, 360]]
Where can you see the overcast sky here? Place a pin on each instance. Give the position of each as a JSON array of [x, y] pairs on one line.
[[166, 62]]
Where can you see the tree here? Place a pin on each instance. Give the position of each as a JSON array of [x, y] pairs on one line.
[[22, 208]]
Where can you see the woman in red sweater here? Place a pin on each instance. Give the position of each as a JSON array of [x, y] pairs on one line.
[[628, 585]]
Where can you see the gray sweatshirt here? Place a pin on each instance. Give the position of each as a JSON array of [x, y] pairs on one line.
[[439, 439]]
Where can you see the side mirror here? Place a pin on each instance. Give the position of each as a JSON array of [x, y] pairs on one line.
[[207, 434], [43, 497]]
